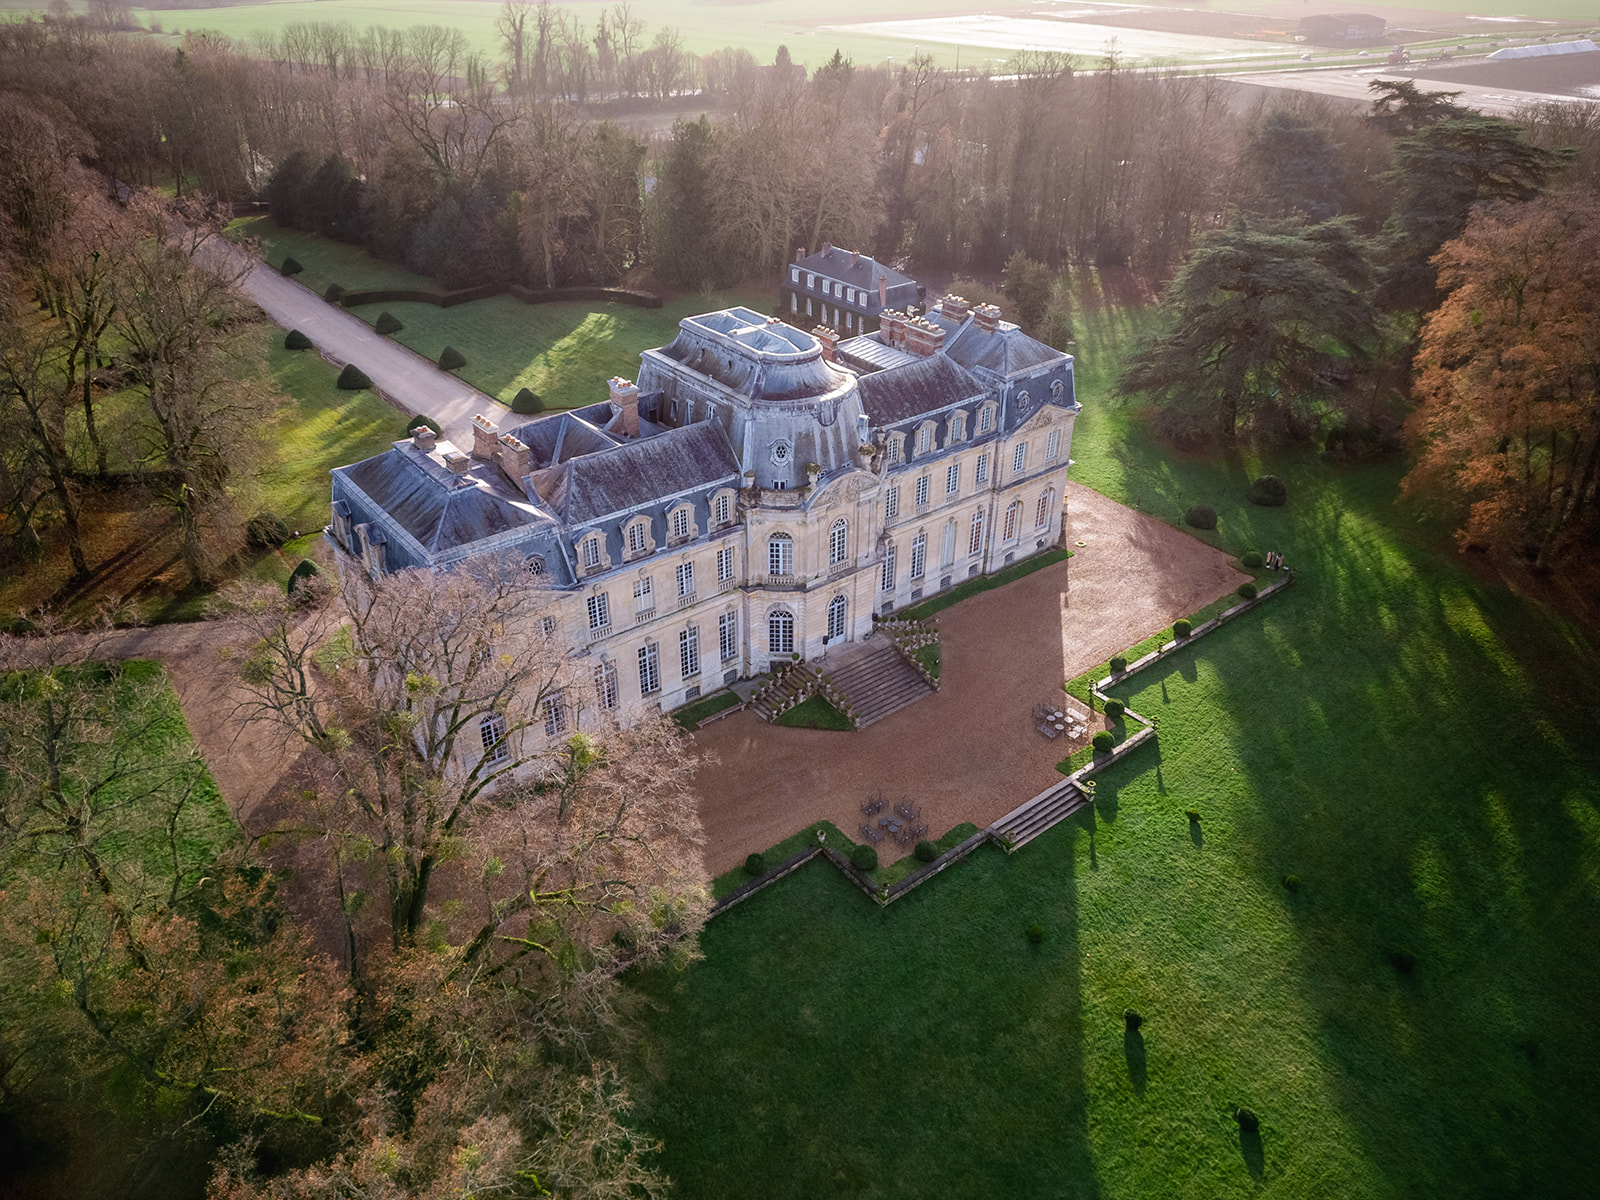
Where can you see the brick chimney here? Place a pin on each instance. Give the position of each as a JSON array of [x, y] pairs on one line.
[[923, 337], [955, 308], [485, 437], [829, 338], [424, 439], [855, 258], [457, 462], [892, 328], [986, 317], [799, 253], [624, 395], [516, 460], [827, 249], [883, 291]]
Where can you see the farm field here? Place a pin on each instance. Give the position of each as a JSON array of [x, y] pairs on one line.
[[1418, 748]]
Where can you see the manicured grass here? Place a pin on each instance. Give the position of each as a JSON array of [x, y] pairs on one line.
[[921, 612], [1418, 747], [790, 846], [325, 261], [930, 658], [815, 713], [691, 715]]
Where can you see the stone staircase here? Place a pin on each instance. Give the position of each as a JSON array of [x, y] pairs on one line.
[[879, 682], [782, 696], [1026, 822]]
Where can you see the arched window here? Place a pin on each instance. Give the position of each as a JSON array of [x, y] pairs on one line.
[[836, 618], [975, 538], [836, 537], [1013, 519], [780, 632], [1041, 516], [780, 554]]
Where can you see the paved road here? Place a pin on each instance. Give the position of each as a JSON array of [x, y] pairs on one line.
[[404, 378], [1351, 84]]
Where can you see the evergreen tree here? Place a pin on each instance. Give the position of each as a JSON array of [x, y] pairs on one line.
[[1292, 166], [686, 244]]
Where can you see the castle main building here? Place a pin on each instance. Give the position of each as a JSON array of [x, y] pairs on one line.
[[758, 495]]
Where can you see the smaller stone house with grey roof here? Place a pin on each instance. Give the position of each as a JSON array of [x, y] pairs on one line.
[[843, 289]]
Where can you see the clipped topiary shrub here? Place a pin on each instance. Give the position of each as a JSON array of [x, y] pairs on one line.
[[1269, 491], [1036, 934], [1132, 1020], [864, 858], [1194, 817], [291, 266], [1119, 663], [452, 359], [353, 378], [1115, 708], [1247, 590], [265, 530], [926, 852], [420, 420], [755, 864], [1103, 742], [1201, 516], [1292, 882], [334, 292], [1403, 961], [296, 341], [526, 403], [305, 571], [388, 323], [1247, 1119], [1251, 559], [1182, 627]]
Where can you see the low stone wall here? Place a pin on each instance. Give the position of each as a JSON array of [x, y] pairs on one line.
[[449, 299], [764, 880], [1199, 631]]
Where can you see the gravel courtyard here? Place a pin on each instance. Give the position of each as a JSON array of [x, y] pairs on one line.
[[969, 752]]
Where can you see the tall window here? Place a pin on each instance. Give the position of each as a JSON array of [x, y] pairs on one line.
[[888, 569], [1041, 516], [975, 537], [952, 479], [599, 610], [605, 684], [836, 618], [958, 426], [836, 538], [1013, 519], [724, 564], [922, 490], [986, 418], [981, 475], [728, 635], [591, 552], [780, 632], [924, 439], [919, 555], [891, 503], [686, 579], [1052, 445], [780, 554], [547, 628], [724, 508], [649, 669], [636, 537], [1019, 456], [947, 545], [892, 451], [492, 733], [680, 523], [644, 595], [554, 710], [689, 651]]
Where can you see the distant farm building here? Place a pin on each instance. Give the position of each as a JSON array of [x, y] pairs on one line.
[[1337, 28], [1547, 50]]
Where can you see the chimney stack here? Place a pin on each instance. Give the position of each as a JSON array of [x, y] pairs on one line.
[[855, 258], [923, 337], [457, 462], [883, 291], [424, 439], [516, 460], [986, 317], [799, 253], [624, 395], [485, 437], [827, 249], [955, 308], [830, 342], [892, 328]]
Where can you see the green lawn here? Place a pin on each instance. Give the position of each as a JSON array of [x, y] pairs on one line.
[[1419, 748], [690, 715], [815, 713]]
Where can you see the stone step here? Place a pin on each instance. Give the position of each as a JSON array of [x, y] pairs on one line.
[[1042, 813], [878, 684]]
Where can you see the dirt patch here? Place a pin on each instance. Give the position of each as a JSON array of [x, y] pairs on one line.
[[970, 752]]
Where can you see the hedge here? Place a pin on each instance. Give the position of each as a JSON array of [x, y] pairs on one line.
[[296, 341], [388, 323], [485, 291], [1182, 627], [1247, 590], [353, 378], [1103, 742], [452, 359]]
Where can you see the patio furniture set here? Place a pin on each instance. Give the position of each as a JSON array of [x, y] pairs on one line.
[[903, 824], [1053, 720]]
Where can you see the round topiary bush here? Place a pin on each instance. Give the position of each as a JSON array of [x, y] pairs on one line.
[[1247, 590], [1403, 961], [265, 530], [334, 293], [1036, 934], [421, 420], [291, 266], [353, 378], [1119, 663], [1115, 708], [1247, 1119], [1132, 1020], [296, 341], [526, 403], [1292, 882], [1251, 559], [452, 359], [1201, 516], [864, 858], [1103, 742], [1182, 627], [755, 864], [303, 574], [1194, 817], [1269, 491], [388, 323], [926, 852]]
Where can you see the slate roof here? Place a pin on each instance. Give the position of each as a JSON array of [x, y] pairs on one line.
[[638, 473], [1006, 351], [863, 273], [925, 385], [868, 353], [442, 511]]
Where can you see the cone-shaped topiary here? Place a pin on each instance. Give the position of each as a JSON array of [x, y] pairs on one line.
[[388, 323], [1201, 516], [525, 403], [353, 378], [452, 359], [755, 864], [1268, 491], [303, 574], [296, 341], [291, 266], [420, 420], [334, 293]]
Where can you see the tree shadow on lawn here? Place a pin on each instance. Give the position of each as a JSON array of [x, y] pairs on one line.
[[1422, 750], [1254, 1153], [1133, 1055]]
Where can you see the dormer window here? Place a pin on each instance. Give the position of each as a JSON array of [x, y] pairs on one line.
[[590, 553], [638, 537], [722, 508], [891, 451], [681, 526], [958, 427], [986, 418], [925, 437]]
